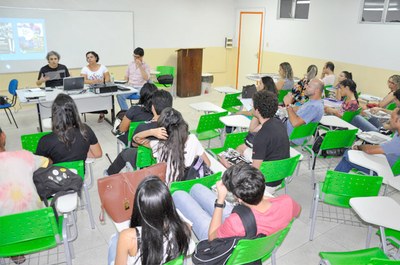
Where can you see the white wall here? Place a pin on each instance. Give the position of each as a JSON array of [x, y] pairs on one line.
[[333, 32]]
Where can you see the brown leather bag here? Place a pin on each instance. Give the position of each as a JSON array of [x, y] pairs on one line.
[[118, 191]]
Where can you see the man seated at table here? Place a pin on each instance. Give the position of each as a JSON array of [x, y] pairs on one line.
[[311, 111], [160, 99], [137, 74], [390, 149], [270, 141], [17, 190]]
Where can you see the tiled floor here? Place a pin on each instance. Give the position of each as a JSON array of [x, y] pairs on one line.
[[91, 245]]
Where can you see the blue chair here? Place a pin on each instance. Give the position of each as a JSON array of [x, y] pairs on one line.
[[12, 89], [134, 96]]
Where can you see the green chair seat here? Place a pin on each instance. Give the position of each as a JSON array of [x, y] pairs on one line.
[[391, 106], [186, 185], [177, 261], [144, 157], [207, 134], [30, 142], [357, 257]]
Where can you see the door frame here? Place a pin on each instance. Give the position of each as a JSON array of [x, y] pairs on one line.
[[262, 13]]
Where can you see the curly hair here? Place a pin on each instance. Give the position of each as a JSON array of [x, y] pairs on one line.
[[266, 103]]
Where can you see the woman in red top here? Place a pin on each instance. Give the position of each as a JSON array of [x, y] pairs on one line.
[[348, 89]]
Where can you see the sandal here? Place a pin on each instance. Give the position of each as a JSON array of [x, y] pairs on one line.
[[101, 118], [18, 259]]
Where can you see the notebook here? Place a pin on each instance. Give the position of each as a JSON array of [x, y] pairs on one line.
[[73, 83]]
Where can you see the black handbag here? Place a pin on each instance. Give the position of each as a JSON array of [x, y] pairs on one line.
[[249, 91]]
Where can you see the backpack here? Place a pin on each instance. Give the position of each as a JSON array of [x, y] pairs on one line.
[[165, 79], [197, 170], [218, 251], [55, 181]]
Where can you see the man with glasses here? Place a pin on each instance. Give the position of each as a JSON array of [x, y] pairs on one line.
[[137, 74]]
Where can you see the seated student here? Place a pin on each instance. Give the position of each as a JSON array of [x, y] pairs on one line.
[[175, 145], [160, 99], [344, 75], [372, 123], [270, 141], [17, 190], [328, 75], [53, 73], [348, 89], [311, 111], [285, 81], [156, 234], [211, 215], [70, 139], [390, 149], [138, 112]]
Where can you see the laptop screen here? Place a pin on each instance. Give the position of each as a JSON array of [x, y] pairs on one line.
[[73, 83]]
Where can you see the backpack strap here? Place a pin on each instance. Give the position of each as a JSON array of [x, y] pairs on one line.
[[248, 220]]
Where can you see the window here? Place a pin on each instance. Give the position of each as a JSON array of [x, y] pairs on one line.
[[381, 11], [294, 9]]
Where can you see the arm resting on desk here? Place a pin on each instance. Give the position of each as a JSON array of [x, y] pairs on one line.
[[370, 149]]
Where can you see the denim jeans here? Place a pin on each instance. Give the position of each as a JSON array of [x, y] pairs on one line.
[[345, 165], [198, 207], [122, 101], [364, 124]]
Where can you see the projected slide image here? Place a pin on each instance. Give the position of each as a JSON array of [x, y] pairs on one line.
[[30, 37], [6, 38]]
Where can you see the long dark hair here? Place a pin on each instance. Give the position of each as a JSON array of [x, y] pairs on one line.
[[269, 84], [351, 85], [146, 93], [155, 212], [65, 118], [172, 150]]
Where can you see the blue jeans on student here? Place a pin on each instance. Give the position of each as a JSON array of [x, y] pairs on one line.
[[198, 207], [372, 124], [122, 99], [345, 165], [112, 248]]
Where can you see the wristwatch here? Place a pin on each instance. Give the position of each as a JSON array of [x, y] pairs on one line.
[[219, 205]]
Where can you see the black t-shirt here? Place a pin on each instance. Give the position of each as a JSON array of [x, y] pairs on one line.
[[138, 113], [50, 146], [147, 126], [271, 143], [62, 71]]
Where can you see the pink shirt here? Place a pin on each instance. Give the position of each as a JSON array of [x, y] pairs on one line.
[[277, 217], [135, 76]]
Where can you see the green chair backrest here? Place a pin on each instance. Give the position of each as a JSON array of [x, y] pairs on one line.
[[231, 100], [326, 91], [28, 232], [232, 140], [396, 168], [349, 115], [303, 131], [279, 169], [207, 181], [177, 261], [339, 187], [282, 94], [165, 70], [132, 127], [208, 122], [248, 250], [393, 236], [30, 142], [338, 139], [78, 165], [144, 157], [362, 256], [391, 106]]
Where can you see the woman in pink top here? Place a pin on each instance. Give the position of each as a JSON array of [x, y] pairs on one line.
[[211, 214], [348, 89]]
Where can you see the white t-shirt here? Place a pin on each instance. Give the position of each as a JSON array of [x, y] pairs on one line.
[[97, 75], [328, 80], [193, 148]]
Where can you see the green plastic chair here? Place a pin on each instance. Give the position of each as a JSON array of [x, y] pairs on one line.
[[79, 166], [280, 170], [186, 185], [303, 131], [232, 140], [326, 90], [396, 168], [282, 94], [338, 188], [177, 261], [30, 142], [29, 232], [164, 70], [392, 236], [249, 250], [391, 106], [358, 257], [231, 102], [209, 126], [132, 127], [349, 115], [144, 157]]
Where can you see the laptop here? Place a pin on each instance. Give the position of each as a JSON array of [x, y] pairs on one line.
[[73, 84]]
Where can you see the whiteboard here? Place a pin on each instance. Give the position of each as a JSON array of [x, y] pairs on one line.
[[71, 33]]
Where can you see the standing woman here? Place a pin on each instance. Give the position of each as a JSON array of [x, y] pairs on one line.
[[95, 73], [53, 73], [348, 89], [70, 139], [285, 81]]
